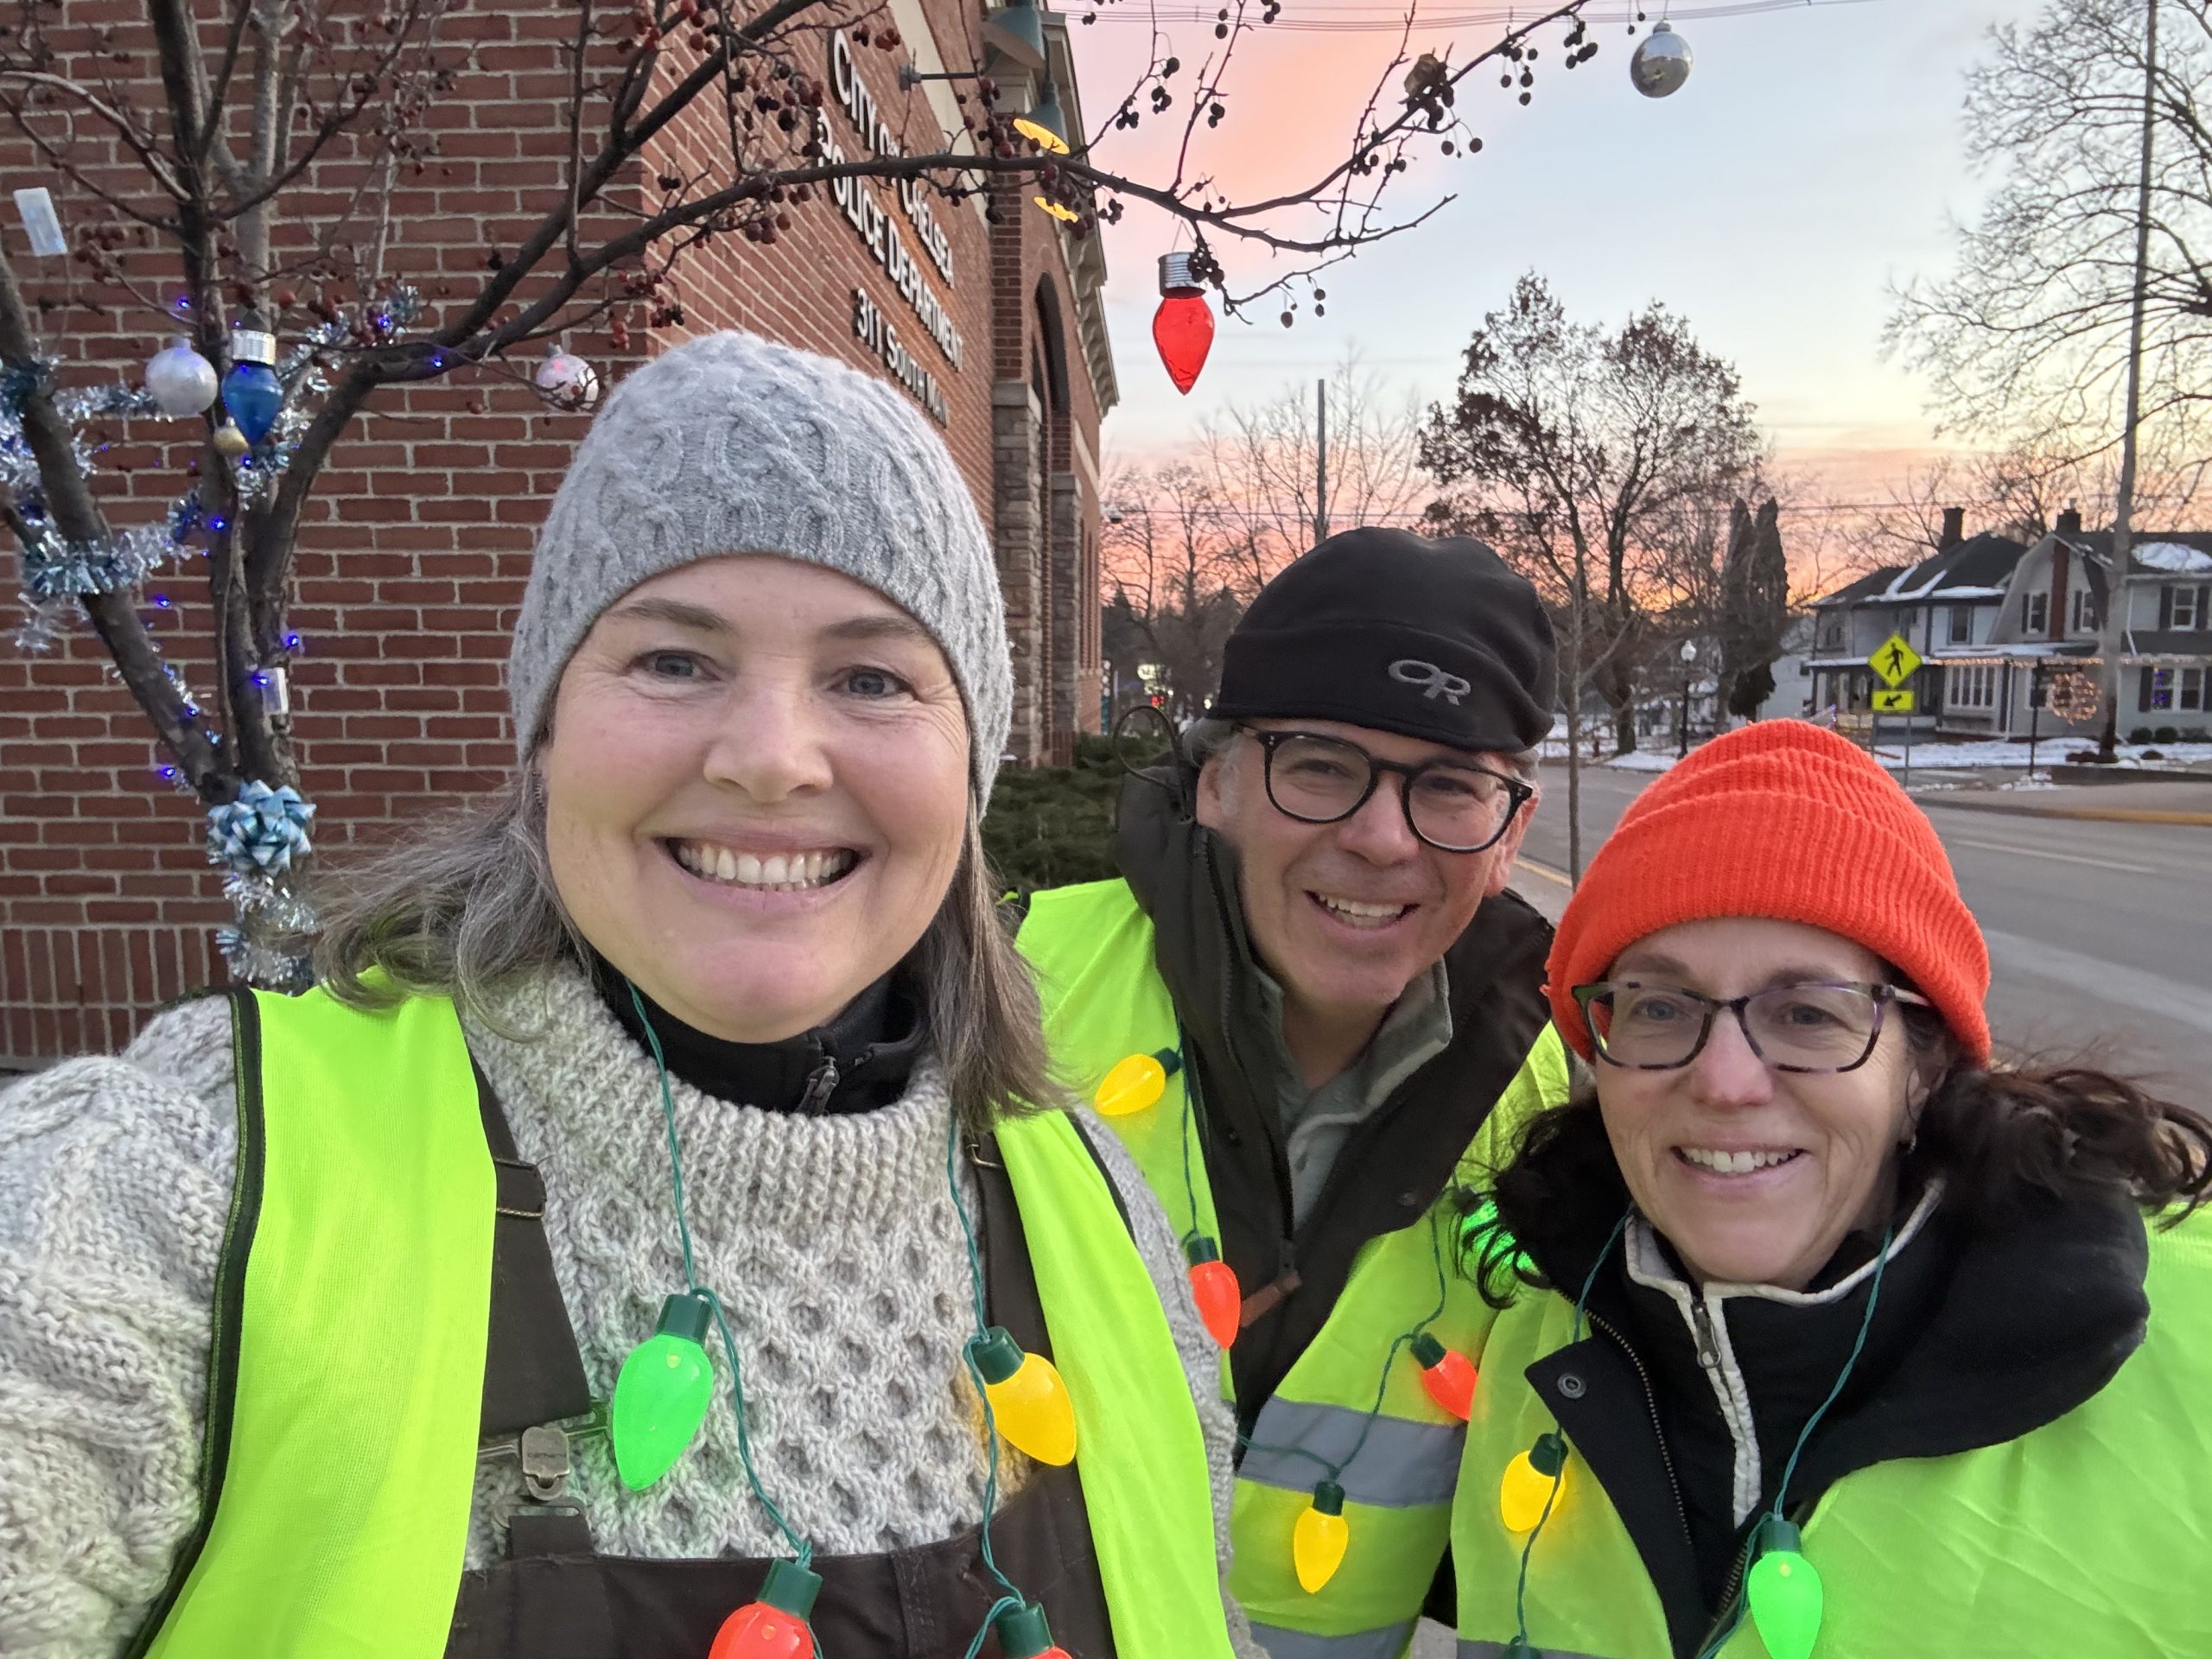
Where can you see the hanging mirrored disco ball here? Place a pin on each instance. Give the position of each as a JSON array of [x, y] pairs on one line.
[[1662, 62]]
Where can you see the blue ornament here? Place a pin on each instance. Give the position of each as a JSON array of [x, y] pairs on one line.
[[253, 399], [263, 831], [252, 395]]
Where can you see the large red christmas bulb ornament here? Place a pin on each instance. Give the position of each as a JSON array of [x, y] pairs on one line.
[[1214, 1287], [1447, 1373], [775, 1626], [1182, 329]]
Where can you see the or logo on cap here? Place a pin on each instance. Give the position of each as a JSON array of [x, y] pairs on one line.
[[1450, 687]]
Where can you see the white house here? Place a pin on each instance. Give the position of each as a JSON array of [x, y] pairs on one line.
[[1948, 607], [2049, 623]]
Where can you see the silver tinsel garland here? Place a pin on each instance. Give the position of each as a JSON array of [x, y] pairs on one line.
[[257, 838]]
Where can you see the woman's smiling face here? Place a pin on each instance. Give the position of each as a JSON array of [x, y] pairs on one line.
[[1755, 1175], [757, 790]]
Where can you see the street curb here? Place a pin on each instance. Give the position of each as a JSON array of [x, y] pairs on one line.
[[2091, 814]]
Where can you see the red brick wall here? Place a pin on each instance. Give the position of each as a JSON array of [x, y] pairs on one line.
[[417, 545]]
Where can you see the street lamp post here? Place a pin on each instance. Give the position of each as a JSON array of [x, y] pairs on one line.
[[1690, 660]]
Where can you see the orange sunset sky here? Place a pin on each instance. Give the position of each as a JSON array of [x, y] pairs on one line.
[[1810, 161]]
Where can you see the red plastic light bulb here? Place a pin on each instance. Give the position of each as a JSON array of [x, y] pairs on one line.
[[1214, 1287], [1447, 1373], [773, 1627], [1182, 330]]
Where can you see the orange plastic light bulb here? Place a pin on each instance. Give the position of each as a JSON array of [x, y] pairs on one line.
[[1535, 1477], [1318, 1544], [775, 1626], [1029, 1402], [1214, 1287], [1447, 1373], [1136, 1082]]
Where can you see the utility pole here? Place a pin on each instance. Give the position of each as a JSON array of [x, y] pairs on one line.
[[2114, 632], [1321, 462]]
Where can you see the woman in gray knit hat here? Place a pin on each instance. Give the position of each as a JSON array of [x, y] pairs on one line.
[[655, 1238]]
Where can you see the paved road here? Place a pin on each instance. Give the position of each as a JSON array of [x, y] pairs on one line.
[[2099, 934]]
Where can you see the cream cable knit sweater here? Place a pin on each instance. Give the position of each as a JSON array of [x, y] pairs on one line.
[[833, 1241]]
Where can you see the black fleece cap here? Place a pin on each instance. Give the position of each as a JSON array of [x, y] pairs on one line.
[[1433, 639]]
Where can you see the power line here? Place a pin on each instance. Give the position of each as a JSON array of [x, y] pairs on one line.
[[1352, 19]]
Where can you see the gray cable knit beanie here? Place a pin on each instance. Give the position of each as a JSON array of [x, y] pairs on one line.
[[731, 443]]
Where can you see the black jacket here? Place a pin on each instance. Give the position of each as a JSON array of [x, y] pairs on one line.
[[1395, 1162]]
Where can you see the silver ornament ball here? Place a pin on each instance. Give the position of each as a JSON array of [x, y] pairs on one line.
[[180, 380], [566, 381], [1660, 64]]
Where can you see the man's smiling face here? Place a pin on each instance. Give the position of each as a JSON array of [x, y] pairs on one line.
[[1346, 915]]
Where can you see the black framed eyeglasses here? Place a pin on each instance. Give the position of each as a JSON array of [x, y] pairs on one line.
[[1455, 806], [1644, 1026]]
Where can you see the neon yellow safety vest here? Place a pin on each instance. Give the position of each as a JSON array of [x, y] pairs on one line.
[[349, 1347], [1091, 947], [2090, 1535]]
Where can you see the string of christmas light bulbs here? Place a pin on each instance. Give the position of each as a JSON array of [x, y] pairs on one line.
[[666, 1384]]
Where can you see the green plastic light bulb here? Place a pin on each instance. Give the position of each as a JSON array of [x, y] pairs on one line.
[[662, 1395], [1785, 1590]]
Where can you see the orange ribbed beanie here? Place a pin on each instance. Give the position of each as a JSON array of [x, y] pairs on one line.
[[1787, 820]]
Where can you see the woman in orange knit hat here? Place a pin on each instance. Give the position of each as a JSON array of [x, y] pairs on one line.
[[1820, 1334]]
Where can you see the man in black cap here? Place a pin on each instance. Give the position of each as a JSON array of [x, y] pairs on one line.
[[1313, 940]]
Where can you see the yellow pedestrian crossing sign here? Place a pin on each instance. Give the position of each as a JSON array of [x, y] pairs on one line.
[[1893, 702], [1894, 660]]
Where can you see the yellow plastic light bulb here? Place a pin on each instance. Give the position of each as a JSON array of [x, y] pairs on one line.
[[1029, 1402], [1530, 1481], [1317, 1544], [1137, 1083]]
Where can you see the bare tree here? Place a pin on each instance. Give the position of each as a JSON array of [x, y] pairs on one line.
[[1574, 450], [1264, 459], [1168, 568], [2029, 331], [2017, 490], [2081, 303], [242, 159]]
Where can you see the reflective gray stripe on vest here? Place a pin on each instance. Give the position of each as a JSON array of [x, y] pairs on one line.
[[1496, 1651], [1386, 1644], [1401, 1465]]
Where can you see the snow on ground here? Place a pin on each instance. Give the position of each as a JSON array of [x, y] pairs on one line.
[[1944, 757]]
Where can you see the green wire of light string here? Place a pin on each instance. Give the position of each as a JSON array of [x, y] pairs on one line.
[[967, 1357], [1006, 1604], [1189, 1071], [1573, 1336], [1739, 1606], [1383, 1382], [802, 1547]]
